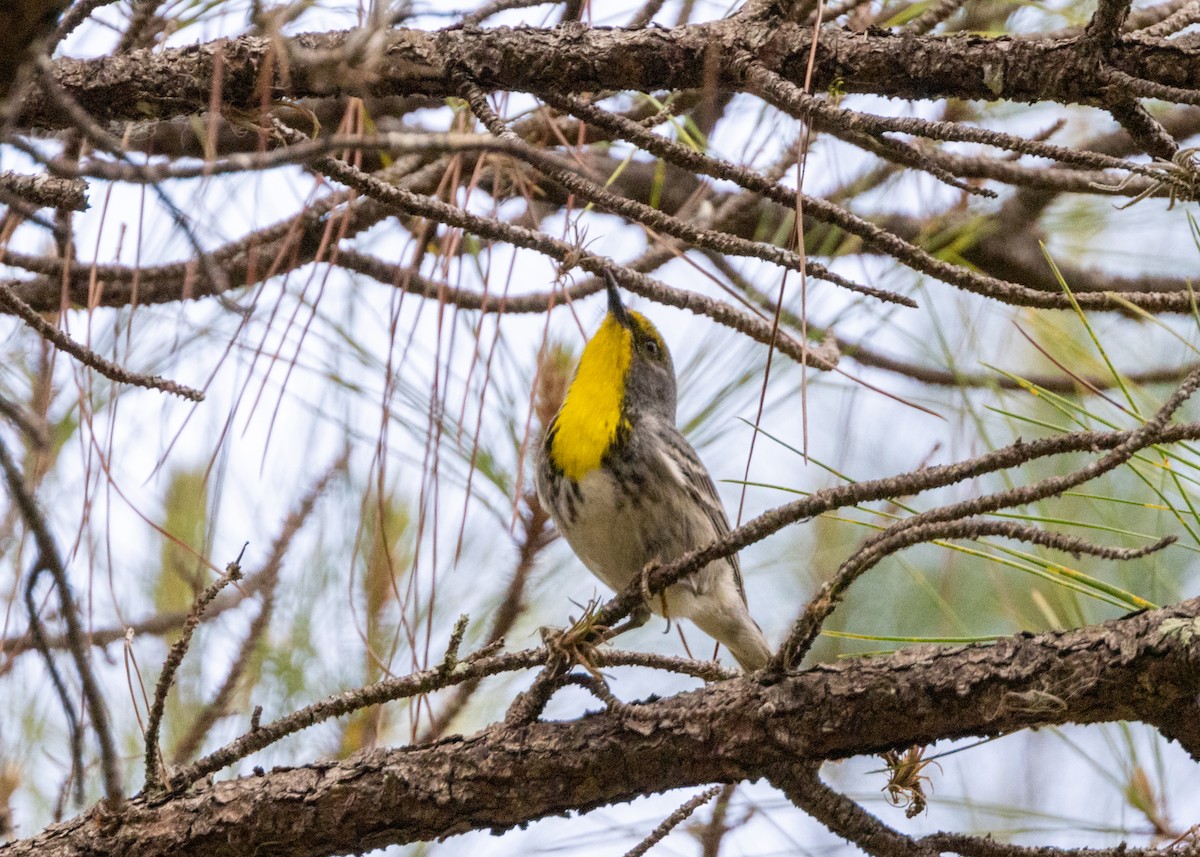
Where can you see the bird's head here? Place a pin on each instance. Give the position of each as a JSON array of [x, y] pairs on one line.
[[625, 374], [649, 380]]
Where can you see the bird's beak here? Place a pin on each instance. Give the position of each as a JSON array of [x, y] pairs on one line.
[[615, 307]]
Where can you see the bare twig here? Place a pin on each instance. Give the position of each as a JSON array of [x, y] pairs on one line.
[[487, 10], [646, 14], [682, 814], [802, 784], [1182, 17], [944, 519], [711, 834], [1104, 28], [871, 234], [1143, 127], [44, 190], [659, 221], [986, 846], [49, 560], [37, 637], [1122, 444], [110, 370], [72, 18], [900, 536], [166, 678], [536, 534], [34, 432], [335, 706], [451, 215], [267, 581], [479, 664], [934, 15]]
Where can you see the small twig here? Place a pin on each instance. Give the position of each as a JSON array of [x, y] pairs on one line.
[[943, 520], [21, 209], [599, 689], [402, 687], [49, 560], [1145, 17], [711, 834], [835, 10], [707, 671], [451, 215], [871, 234], [985, 846], [537, 534], [673, 820], [646, 14], [866, 355], [159, 623], [450, 659], [934, 15], [1104, 28], [478, 16], [141, 30], [905, 154], [1142, 127], [794, 100], [528, 705], [266, 579], [179, 648], [210, 713], [35, 433], [1177, 20], [110, 370], [46, 191], [38, 636], [802, 785], [85, 124], [655, 219], [1150, 89], [72, 18], [393, 143]]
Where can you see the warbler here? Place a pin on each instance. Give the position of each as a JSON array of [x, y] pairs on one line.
[[627, 490]]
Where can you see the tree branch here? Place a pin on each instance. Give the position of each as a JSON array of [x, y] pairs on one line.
[[1141, 667], [577, 58]]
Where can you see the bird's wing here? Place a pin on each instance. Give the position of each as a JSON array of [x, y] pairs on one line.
[[695, 479]]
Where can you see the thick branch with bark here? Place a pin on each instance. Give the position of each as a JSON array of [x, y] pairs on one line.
[[1142, 667], [577, 58]]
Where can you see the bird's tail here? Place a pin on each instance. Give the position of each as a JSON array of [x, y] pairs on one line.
[[738, 633]]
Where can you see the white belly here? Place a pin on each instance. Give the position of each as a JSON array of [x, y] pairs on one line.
[[620, 535], [607, 538]]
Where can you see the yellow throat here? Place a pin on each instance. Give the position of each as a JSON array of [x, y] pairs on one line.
[[590, 417]]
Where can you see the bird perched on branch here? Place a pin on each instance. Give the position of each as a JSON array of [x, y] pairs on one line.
[[627, 491]]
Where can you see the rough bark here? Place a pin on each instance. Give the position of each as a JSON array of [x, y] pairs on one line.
[[577, 58], [1144, 667]]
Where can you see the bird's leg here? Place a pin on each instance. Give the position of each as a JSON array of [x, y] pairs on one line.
[[640, 614], [637, 617]]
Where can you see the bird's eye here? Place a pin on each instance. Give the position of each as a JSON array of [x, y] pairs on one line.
[[650, 347]]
